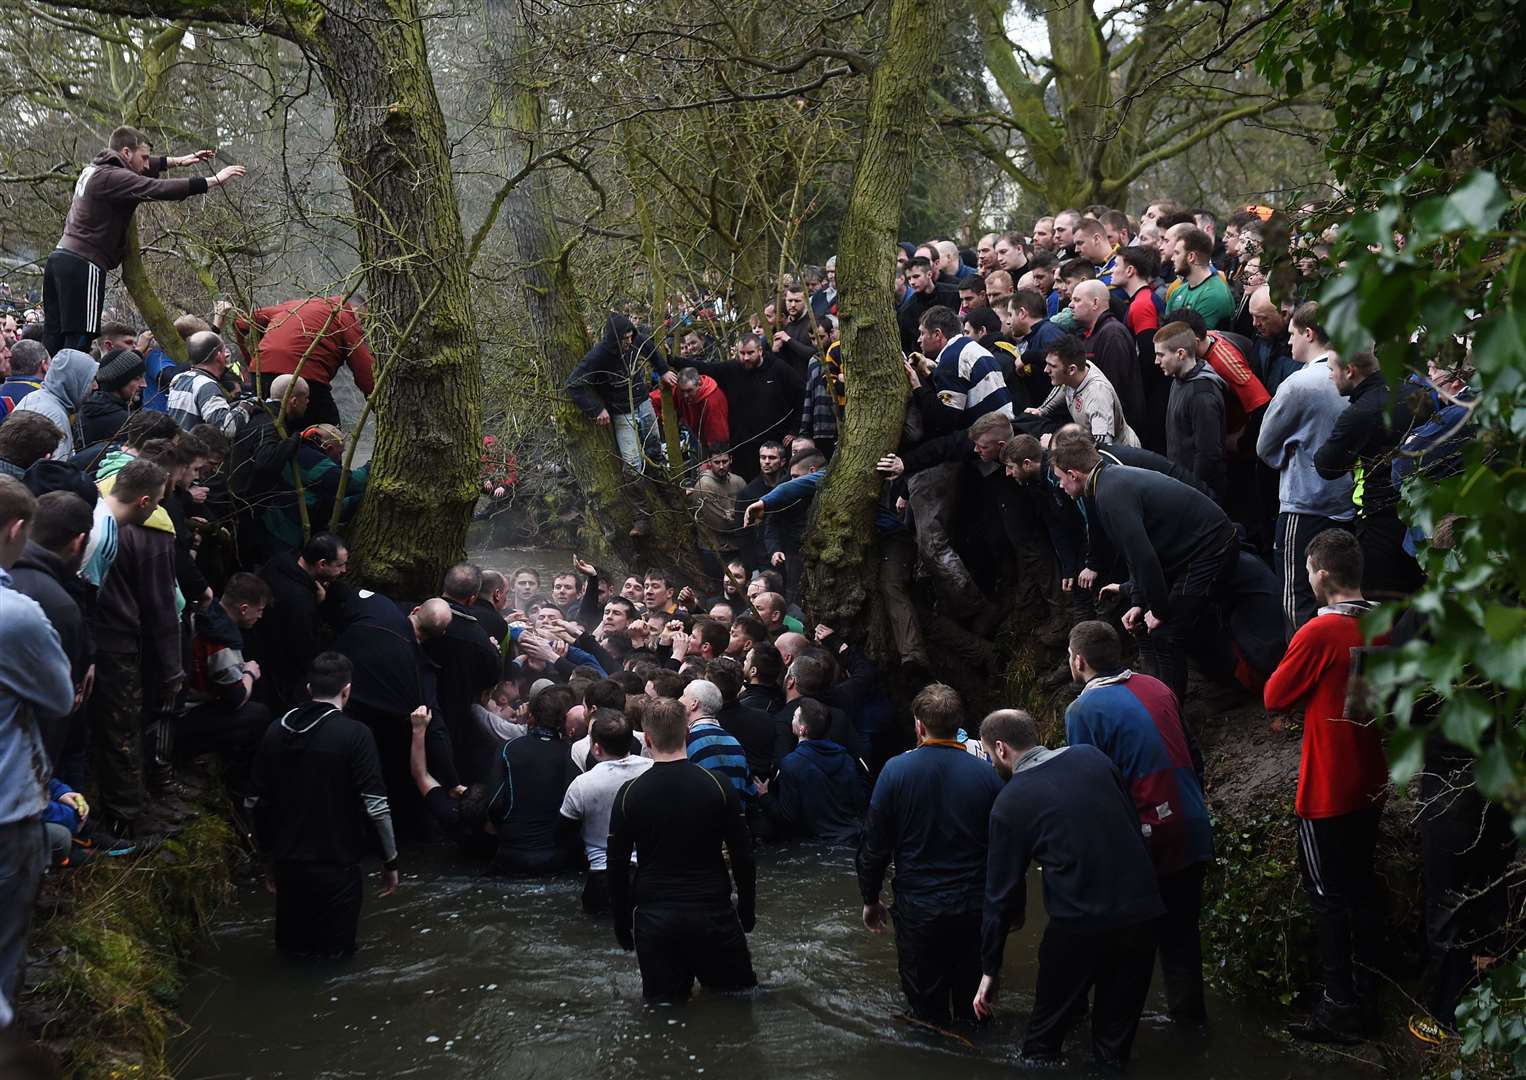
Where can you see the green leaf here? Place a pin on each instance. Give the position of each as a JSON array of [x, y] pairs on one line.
[[1504, 622], [1495, 774], [1478, 202], [1465, 718], [1406, 754]]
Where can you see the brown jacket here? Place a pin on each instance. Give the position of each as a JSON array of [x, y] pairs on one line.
[[106, 194]]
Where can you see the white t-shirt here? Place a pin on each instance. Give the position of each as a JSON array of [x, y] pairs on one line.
[[591, 798], [584, 746]]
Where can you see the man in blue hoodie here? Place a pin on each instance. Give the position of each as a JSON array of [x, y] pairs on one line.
[[35, 686], [610, 387], [821, 792]]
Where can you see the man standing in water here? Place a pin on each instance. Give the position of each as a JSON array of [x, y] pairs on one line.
[[317, 779], [929, 812], [678, 916], [1069, 811]]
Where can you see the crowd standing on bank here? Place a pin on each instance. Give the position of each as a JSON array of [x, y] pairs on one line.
[[1117, 442]]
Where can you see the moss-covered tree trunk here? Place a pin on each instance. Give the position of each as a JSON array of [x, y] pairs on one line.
[[841, 547], [393, 149]]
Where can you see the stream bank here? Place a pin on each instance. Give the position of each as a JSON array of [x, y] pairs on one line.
[[110, 939]]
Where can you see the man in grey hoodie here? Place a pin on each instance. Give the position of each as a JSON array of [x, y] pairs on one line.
[[1297, 423], [70, 378]]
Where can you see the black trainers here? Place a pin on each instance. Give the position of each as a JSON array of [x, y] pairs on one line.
[[1331, 1022], [96, 840]]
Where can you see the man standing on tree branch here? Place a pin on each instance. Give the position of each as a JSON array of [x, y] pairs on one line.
[[95, 232]]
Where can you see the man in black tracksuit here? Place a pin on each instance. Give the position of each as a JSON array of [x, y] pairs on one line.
[[1070, 811], [1362, 443], [286, 639], [1179, 547], [316, 794], [678, 913]]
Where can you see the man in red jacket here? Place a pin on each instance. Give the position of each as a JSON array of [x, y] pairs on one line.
[[1342, 781], [702, 408], [320, 335], [95, 232]]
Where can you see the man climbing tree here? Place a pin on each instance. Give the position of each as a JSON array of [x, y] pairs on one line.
[[95, 233]]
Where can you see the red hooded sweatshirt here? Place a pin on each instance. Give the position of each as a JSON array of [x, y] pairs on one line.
[[705, 413]]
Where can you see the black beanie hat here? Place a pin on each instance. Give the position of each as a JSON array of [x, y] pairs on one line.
[[118, 368]]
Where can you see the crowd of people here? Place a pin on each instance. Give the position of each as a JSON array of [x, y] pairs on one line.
[[1117, 444]]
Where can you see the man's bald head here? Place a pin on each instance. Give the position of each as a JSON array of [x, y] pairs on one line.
[[431, 618], [282, 383], [1089, 300], [206, 349], [1265, 315], [791, 645]]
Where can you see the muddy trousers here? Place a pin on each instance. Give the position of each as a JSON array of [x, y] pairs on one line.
[[23, 855], [116, 716], [933, 498], [898, 560], [1115, 965], [317, 908], [1335, 859], [938, 957], [678, 943]]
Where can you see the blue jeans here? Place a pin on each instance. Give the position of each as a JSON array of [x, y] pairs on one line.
[[630, 432], [23, 854]]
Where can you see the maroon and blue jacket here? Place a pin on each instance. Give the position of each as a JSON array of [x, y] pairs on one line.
[[1135, 721]]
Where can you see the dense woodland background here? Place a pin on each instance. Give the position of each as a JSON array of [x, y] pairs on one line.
[[496, 176]]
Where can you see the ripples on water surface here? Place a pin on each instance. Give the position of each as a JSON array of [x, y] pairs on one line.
[[464, 975]]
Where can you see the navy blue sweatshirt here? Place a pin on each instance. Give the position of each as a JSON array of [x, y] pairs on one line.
[[1070, 812], [929, 812]]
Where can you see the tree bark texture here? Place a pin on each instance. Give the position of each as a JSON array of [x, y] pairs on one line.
[[393, 149], [841, 547]]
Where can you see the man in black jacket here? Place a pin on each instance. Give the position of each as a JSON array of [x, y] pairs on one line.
[[764, 395], [260, 462], [1363, 442], [1194, 409], [222, 715], [469, 667], [119, 380], [1070, 811], [1179, 547], [924, 292], [317, 785], [393, 677], [753, 728], [286, 639], [610, 387]]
